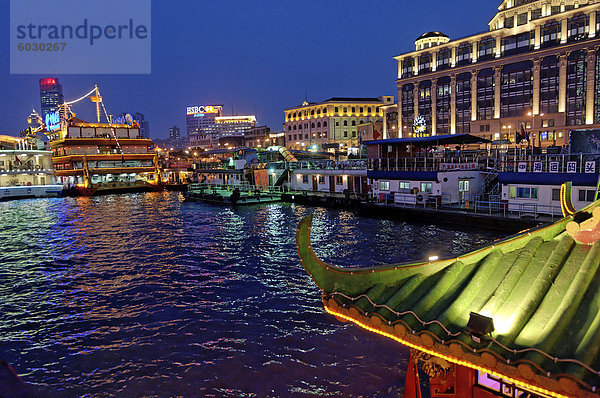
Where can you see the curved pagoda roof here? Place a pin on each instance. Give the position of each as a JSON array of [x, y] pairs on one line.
[[540, 287]]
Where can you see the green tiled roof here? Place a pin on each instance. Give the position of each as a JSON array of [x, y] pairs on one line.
[[540, 287]]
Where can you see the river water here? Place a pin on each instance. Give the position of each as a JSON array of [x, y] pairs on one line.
[[145, 295]]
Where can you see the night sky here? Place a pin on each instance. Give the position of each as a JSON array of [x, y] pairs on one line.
[[254, 57]]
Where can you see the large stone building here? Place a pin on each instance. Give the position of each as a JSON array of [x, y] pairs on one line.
[[537, 69], [318, 125]]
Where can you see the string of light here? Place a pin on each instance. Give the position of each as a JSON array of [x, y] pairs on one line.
[[82, 98], [446, 357], [514, 351]]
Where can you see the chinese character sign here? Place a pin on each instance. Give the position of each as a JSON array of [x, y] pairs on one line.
[[553, 167], [522, 168], [537, 167], [590, 167], [571, 167]]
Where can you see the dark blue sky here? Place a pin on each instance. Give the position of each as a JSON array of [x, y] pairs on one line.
[[257, 57]]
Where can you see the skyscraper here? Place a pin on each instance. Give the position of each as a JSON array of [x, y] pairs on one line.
[[144, 124], [138, 117], [51, 95], [174, 136]]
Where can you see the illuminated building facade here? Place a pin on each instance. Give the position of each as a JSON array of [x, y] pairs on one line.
[[333, 121], [236, 126], [202, 118], [536, 69], [222, 127], [51, 95]]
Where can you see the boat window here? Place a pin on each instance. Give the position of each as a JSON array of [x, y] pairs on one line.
[[427, 187], [523, 192], [556, 195], [586, 195], [384, 185]]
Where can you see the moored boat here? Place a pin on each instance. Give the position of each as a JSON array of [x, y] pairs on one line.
[[101, 157], [231, 195], [26, 169]]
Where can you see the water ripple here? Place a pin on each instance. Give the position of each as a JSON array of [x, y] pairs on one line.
[[144, 295]]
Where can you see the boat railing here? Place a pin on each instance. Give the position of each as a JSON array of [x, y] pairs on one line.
[[472, 203], [355, 164], [242, 187], [472, 162], [532, 210]]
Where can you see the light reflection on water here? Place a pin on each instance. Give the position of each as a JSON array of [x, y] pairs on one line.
[[143, 295]]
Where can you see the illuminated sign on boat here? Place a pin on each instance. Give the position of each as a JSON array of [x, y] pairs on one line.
[[192, 110], [52, 121]]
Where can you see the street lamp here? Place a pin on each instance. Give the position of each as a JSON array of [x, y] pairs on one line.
[[530, 113]]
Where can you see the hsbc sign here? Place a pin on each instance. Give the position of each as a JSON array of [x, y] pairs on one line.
[[192, 110]]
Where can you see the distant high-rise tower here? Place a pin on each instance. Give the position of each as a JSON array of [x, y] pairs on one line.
[[34, 120], [138, 117], [174, 135], [51, 95]]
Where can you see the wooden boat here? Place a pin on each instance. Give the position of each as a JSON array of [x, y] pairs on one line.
[[524, 311]]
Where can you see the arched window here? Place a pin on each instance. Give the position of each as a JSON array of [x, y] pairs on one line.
[[361, 122], [336, 109], [369, 110], [289, 128], [312, 125], [345, 110], [294, 114], [324, 124], [361, 109], [325, 110], [354, 122], [353, 110], [300, 127], [318, 111], [319, 124], [294, 127], [289, 116], [312, 112], [345, 122]]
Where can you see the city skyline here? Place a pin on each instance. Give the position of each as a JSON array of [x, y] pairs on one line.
[[280, 64]]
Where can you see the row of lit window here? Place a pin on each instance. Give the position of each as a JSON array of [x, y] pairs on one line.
[[353, 109], [295, 137], [577, 29], [318, 125]]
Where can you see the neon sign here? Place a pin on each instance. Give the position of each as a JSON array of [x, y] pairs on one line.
[[192, 110], [420, 127], [52, 121]]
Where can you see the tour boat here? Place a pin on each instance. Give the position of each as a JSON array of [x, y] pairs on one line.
[[519, 315], [26, 169], [101, 157]]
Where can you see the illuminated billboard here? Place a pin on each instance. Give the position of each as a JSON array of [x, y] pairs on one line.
[[193, 110]]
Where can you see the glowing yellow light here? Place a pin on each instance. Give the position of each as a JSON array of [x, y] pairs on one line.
[[445, 357]]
